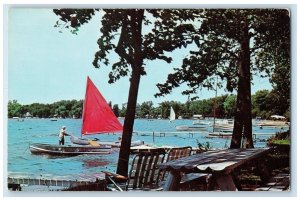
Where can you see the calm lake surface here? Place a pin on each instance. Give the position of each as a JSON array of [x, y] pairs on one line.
[[22, 133]]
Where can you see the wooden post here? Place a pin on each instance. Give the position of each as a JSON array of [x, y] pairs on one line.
[[153, 137]]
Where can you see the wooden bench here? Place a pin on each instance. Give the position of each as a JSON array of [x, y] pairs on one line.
[[279, 182]]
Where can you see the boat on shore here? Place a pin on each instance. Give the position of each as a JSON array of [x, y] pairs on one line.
[[61, 150]]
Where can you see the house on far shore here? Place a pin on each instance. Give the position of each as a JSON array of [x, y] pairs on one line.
[[277, 117], [28, 115], [198, 116]]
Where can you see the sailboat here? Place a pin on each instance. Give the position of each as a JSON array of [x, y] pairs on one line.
[[172, 114], [98, 118]]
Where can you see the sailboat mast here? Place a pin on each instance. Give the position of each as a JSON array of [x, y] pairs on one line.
[[82, 116], [83, 103], [215, 105]]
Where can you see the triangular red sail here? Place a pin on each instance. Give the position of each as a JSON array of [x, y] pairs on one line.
[[97, 116]]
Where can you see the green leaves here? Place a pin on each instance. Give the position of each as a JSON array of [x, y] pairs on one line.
[[62, 109], [73, 18], [218, 47], [171, 30]]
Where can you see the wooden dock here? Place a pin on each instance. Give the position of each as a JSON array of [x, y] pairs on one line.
[[169, 133], [163, 133], [53, 180], [189, 133], [257, 135]]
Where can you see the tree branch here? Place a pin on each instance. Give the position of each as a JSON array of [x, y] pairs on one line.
[[120, 49]]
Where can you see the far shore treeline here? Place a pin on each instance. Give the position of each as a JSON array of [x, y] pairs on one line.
[[263, 105]]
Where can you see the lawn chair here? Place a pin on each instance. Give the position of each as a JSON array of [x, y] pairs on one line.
[[175, 153], [189, 181], [144, 173]]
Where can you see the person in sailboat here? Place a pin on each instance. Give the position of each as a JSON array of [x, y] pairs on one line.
[[62, 134]]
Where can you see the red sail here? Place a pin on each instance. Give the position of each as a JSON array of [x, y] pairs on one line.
[[98, 117]]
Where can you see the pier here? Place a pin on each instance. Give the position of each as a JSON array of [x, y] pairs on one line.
[[16, 180], [165, 133], [189, 133]]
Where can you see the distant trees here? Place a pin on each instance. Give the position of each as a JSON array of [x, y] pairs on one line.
[[116, 110], [164, 108], [63, 109], [204, 107], [263, 106], [76, 109], [230, 106], [281, 93], [266, 103], [123, 110], [15, 109], [144, 110]]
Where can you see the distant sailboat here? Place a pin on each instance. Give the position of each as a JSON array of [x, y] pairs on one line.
[[172, 114]]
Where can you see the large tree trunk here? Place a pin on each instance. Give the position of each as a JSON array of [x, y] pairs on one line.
[[243, 119], [136, 28], [238, 119], [128, 124], [246, 77]]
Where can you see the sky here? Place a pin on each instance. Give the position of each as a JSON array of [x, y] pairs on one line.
[[45, 65]]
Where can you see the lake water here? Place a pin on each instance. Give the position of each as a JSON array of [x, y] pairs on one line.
[[22, 133]]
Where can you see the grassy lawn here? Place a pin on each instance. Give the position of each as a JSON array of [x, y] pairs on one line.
[[281, 142], [277, 161]]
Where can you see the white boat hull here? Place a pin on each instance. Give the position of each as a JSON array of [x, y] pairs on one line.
[[85, 141], [190, 128], [60, 150]]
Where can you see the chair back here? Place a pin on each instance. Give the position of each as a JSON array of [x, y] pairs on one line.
[[144, 172], [176, 153], [179, 152]]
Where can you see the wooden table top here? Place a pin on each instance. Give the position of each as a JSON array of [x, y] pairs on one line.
[[214, 161]]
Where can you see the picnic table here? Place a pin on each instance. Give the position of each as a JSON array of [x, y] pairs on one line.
[[219, 163]]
